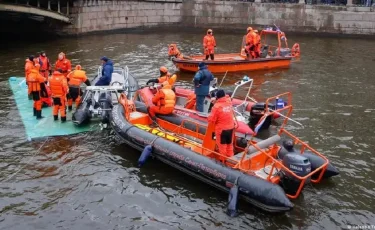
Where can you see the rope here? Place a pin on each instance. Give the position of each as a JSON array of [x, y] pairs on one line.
[[14, 174]]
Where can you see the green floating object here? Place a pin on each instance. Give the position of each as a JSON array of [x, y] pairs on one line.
[[45, 127]]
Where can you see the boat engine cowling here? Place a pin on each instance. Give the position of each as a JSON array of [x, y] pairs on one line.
[[256, 113], [105, 101], [299, 165]]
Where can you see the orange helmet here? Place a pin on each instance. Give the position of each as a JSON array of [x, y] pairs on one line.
[[209, 31], [163, 69], [249, 29], [78, 67]]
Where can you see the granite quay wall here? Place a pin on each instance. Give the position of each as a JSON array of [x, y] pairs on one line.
[[91, 16]]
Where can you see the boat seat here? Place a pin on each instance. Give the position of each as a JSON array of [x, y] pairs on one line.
[[116, 77], [181, 101], [177, 120], [252, 151]]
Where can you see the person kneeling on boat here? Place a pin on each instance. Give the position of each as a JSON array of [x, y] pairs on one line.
[[222, 117], [75, 79], [164, 76], [164, 101], [59, 89], [202, 80], [37, 89], [107, 71]]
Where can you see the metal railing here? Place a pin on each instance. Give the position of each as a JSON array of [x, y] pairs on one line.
[[59, 6], [363, 3]]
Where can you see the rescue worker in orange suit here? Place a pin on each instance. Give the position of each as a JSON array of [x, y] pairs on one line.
[[37, 89], [164, 76], [257, 44], [164, 101], [250, 46], [209, 45], [75, 79], [29, 65], [223, 118], [63, 64], [59, 89], [45, 67]]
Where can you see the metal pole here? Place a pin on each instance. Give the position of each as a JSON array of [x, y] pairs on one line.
[[38, 4], [49, 5], [58, 6], [27, 3], [67, 8]]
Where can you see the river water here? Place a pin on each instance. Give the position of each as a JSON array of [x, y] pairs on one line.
[[89, 181]]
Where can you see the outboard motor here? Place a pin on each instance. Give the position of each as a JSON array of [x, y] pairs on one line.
[[105, 101], [256, 112], [82, 115], [296, 163]]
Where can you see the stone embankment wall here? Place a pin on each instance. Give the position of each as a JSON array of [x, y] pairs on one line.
[[91, 16]]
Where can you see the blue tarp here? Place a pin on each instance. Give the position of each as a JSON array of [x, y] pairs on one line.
[[45, 127]]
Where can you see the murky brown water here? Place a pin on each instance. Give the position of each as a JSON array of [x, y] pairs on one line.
[[88, 181]]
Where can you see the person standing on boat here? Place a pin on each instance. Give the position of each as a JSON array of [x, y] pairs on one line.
[[75, 79], [222, 117], [209, 44], [164, 101], [107, 71], [37, 89], [59, 89], [202, 81], [45, 67], [63, 64], [250, 46], [256, 44], [164, 76]]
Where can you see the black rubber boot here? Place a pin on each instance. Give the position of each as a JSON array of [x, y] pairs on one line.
[[70, 107], [55, 117], [63, 119], [212, 57], [207, 56], [39, 114], [34, 111]]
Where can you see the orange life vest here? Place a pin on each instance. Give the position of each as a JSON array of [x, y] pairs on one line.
[[250, 38], [77, 77], [64, 65], [256, 39], [28, 67], [169, 99], [222, 114], [167, 77], [58, 85], [45, 63], [209, 41], [34, 79]]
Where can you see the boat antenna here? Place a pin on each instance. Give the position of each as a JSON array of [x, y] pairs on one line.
[[222, 80]]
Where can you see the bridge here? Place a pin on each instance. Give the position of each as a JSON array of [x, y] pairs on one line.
[[36, 10]]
